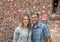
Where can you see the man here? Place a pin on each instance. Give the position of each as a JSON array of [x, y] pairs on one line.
[[40, 32]]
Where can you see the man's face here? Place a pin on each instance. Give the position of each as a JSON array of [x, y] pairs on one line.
[[34, 18]]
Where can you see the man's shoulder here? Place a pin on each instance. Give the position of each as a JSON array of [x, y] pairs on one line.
[[41, 24]]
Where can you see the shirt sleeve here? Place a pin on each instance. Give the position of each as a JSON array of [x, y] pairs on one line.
[[15, 37], [46, 31]]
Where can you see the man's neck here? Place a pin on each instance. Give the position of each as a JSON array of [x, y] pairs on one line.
[[36, 23]]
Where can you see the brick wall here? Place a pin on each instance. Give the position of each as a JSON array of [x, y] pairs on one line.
[[12, 10]]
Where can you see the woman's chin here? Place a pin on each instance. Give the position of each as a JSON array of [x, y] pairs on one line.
[[25, 24]]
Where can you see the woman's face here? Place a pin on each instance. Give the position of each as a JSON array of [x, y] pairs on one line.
[[25, 20]]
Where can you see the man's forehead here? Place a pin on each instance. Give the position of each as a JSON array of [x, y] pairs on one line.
[[34, 15]]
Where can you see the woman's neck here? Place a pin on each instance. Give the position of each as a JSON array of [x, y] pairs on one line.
[[25, 26]]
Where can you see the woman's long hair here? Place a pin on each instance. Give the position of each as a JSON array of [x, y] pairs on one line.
[[22, 24]]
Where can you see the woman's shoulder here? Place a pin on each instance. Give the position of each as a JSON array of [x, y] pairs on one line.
[[18, 28]]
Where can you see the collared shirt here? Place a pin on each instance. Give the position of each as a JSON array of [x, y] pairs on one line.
[[40, 32]]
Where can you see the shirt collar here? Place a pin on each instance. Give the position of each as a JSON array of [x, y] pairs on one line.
[[37, 26]]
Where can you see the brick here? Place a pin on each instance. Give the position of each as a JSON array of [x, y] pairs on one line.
[[11, 12]]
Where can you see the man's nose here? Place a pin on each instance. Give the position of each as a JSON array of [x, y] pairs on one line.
[[25, 20]]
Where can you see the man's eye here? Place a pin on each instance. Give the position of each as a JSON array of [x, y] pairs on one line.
[[33, 17], [26, 19]]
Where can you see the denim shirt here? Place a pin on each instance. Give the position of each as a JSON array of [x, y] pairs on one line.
[[40, 32]]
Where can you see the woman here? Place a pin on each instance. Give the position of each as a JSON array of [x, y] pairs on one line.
[[23, 32]]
